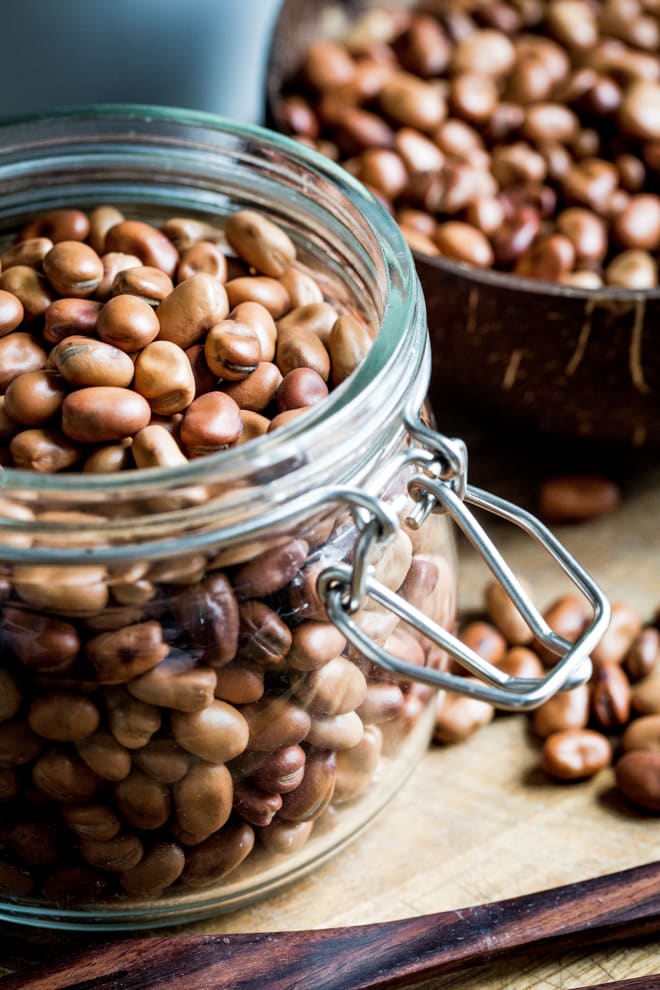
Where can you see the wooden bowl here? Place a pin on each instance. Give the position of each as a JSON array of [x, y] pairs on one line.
[[565, 362]]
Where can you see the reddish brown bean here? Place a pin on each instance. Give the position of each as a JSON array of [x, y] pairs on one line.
[[574, 754]]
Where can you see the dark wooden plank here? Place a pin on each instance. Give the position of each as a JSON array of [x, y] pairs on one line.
[[384, 956]]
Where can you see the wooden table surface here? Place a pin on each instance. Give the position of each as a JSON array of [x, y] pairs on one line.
[[478, 821]]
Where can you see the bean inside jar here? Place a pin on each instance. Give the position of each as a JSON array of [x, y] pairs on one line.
[[522, 137], [169, 723], [112, 326]]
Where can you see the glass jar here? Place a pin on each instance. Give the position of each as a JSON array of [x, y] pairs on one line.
[[213, 677]]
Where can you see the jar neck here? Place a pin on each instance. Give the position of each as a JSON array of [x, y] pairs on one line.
[[157, 162]]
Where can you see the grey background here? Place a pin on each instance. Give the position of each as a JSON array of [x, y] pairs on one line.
[[202, 54]]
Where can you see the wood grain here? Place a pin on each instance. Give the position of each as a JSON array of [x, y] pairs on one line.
[[381, 957]]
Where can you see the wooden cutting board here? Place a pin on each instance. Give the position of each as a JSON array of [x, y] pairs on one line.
[[479, 821]]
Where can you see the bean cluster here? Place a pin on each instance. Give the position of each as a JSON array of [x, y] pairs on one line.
[[522, 135], [153, 745], [615, 718], [127, 345]]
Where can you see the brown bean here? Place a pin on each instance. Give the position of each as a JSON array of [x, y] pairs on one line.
[[101, 219], [328, 64], [268, 292], [34, 397], [484, 639], [142, 801], [70, 317], [458, 717], [11, 312], [255, 806], [210, 423], [74, 885], [191, 309], [239, 684], [92, 821], [83, 361], [462, 242], [336, 688], [574, 754], [638, 224], [15, 881], [314, 644], [319, 318], [643, 733], [18, 743], [484, 51], [232, 350], [275, 723], [63, 716], [202, 257], [42, 450], [257, 390], [160, 866], [642, 657], [282, 771], [126, 653], [260, 243], [218, 856], [568, 617], [76, 589], [412, 102], [39, 642], [565, 710], [383, 702], [164, 377], [521, 662], [638, 778], [58, 225], [19, 353], [30, 288], [131, 722], [148, 243], [217, 733], [184, 232], [121, 853], [30, 252], [638, 114], [128, 323], [263, 637], [610, 696], [256, 316], [314, 793], [646, 695], [177, 682], [632, 269], [105, 756], [104, 413], [115, 262], [625, 625], [300, 388], [64, 778], [574, 498], [303, 349], [303, 290], [109, 458], [73, 269], [348, 344], [149, 285], [285, 837], [270, 571], [505, 616], [587, 232]]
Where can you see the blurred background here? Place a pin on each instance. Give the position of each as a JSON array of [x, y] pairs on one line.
[[203, 54]]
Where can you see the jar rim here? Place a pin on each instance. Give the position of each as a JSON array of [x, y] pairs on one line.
[[402, 297]]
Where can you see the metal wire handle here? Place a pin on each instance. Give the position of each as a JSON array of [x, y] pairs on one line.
[[441, 490]]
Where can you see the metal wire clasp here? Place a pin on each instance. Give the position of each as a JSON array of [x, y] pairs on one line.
[[439, 484]]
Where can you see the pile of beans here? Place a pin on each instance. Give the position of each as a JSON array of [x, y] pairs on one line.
[[163, 721], [521, 135], [613, 719], [125, 345]]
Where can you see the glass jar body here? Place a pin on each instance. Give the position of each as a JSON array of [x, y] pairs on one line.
[[182, 729]]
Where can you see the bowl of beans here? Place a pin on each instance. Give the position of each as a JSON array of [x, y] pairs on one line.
[[517, 144], [208, 339]]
